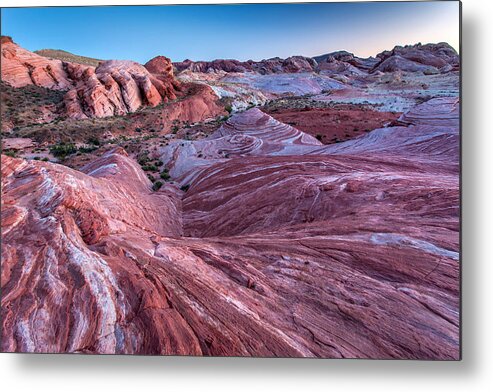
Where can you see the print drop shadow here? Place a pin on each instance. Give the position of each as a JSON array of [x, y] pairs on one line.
[[32, 364]]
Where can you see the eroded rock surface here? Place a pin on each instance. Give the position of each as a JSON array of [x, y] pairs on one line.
[[429, 58], [264, 241], [21, 67], [280, 247]]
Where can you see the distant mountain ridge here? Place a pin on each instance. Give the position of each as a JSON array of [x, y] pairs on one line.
[[430, 58]]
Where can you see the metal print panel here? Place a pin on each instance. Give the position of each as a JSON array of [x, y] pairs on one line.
[[268, 180]]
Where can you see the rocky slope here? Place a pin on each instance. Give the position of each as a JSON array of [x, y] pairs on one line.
[[394, 80], [276, 246]]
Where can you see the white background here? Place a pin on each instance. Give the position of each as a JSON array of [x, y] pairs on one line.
[[473, 373]]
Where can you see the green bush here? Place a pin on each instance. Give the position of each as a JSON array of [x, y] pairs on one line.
[[150, 168], [185, 188], [87, 149], [63, 150], [10, 153], [157, 185], [94, 140], [165, 175]]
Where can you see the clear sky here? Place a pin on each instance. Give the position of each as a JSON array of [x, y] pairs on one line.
[[255, 31]]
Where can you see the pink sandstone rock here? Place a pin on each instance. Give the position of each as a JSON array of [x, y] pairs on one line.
[[276, 245], [21, 68], [93, 262], [429, 58], [16, 143]]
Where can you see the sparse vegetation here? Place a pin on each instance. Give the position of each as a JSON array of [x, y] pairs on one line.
[[165, 175], [152, 168], [94, 140], [63, 150], [157, 185], [86, 150], [10, 153], [67, 56]]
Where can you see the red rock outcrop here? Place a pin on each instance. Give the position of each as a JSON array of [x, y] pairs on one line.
[[443, 112], [429, 58], [256, 133], [116, 88], [113, 88], [21, 67]]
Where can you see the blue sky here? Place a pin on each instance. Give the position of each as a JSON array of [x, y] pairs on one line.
[[255, 31]]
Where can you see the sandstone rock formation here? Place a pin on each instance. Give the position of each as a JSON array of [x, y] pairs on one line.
[[264, 243], [292, 64], [429, 58], [108, 272], [117, 87], [21, 67], [114, 87], [330, 60]]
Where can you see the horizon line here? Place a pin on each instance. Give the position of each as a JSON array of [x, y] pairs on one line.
[[227, 58]]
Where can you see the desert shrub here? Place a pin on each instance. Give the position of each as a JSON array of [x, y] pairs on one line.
[[143, 159], [157, 185], [94, 140], [185, 188], [149, 168], [165, 175], [86, 150], [319, 137], [229, 109], [62, 150], [10, 153]]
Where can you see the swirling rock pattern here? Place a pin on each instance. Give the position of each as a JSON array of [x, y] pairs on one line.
[[436, 112], [94, 262], [275, 245]]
